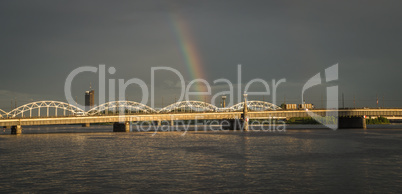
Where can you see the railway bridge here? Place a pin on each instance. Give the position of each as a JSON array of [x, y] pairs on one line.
[[124, 112]]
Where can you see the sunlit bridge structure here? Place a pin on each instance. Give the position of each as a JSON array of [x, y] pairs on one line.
[[189, 106], [60, 113], [254, 106], [57, 109], [128, 107], [45, 109], [3, 113]]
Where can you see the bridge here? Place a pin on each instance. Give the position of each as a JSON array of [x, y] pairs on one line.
[[123, 112]]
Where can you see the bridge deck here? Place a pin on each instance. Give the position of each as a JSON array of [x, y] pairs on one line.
[[395, 113]]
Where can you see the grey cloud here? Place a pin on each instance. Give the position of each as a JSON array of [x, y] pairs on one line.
[[42, 41]]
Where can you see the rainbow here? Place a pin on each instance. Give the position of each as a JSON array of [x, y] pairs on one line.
[[189, 50]]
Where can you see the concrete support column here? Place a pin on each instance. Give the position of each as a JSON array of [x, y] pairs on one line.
[[86, 125], [351, 123], [364, 123], [16, 129], [121, 127], [245, 114], [171, 122], [245, 124]]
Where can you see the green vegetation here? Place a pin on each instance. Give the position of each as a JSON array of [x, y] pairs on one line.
[[329, 120], [310, 120], [101, 123], [378, 120], [264, 121], [301, 120]]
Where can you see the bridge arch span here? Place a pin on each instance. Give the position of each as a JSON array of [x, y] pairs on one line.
[[116, 106], [255, 106], [2, 113], [189, 106], [56, 105]]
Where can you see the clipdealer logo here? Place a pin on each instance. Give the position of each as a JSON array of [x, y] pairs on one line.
[[331, 117], [331, 75]]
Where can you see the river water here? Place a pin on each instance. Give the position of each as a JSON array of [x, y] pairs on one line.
[[94, 159]]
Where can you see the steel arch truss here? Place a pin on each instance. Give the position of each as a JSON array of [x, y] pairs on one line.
[[3, 113], [255, 106], [189, 106], [128, 107], [27, 109]]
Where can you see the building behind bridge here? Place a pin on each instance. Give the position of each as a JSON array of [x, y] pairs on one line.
[[89, 99]]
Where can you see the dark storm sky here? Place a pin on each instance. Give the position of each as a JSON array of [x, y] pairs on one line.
[[43, 41]]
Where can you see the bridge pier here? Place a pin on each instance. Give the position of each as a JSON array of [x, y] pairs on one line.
[[245, 124], [17, 129], [121, 127], [86, 125], [351, 123], [172, 123], [245, 114]]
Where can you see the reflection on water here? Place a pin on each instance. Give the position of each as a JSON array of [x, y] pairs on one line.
[[295, 161]]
